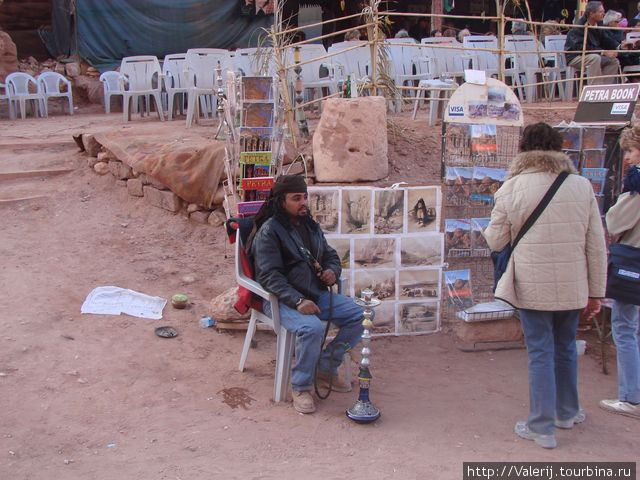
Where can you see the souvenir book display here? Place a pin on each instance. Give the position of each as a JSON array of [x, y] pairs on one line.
[[254, 143], [475, 160], [585, 146], [388, 240]]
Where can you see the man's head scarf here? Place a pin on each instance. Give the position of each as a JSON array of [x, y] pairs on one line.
[[288, 184]]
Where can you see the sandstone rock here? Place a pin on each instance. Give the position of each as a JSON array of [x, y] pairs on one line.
[[162, 198], [134, 187], [200, 216], [147, 180], [92, 161], [104, 157], [101, 168], [505, 330], [193, 207], [121, 183], [221, 307], [91, 146], [72, 69], [350, 142], [8, 56], [217, 217], [218, 198], [89, 87], [120, 170]]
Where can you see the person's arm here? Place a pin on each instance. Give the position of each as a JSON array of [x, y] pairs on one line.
[[498, 232], [624, 215], [269, 267]]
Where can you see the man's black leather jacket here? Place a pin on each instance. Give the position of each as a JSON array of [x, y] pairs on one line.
[[281, 266]]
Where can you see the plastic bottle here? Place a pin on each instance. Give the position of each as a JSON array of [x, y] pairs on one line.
[[206, 321]]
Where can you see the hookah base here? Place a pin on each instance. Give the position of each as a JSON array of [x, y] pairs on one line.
[[363, 412]]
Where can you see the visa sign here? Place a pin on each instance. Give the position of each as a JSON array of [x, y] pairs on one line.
[[456, 110]]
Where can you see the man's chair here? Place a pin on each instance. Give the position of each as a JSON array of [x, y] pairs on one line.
[[285, 342]]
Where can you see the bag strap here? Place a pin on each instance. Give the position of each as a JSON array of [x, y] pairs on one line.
[[540, 208]]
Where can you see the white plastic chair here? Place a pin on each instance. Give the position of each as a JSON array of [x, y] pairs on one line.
[[201, 64], [111, 87], [530, 56], [554, 44], [406, 64], [49, 85], [354, 62], [285, 343], [254, 62], [4, 96], [18, 93], [175, 81], [310, 73], [140, 76]]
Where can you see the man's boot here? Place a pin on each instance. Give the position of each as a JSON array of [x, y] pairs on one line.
[[303, 402]]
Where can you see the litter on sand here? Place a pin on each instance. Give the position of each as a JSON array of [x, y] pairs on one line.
[[115, 300]]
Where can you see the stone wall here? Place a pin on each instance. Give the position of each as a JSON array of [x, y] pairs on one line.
[[21, 19]]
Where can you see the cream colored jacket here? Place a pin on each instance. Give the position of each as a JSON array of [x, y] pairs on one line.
[[562, 259], [624, 217]]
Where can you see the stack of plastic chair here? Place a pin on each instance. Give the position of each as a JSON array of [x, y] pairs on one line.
[[23, 88], [554, 46], [140, 76], [111, 86], [175, 81], [4, 96], [201, 64], [49, 85], [530, 59]]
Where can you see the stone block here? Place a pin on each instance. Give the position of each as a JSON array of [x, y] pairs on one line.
[[164, 199], [92, 161], [91, 146], [72, 69], [350, 142], [148, 180], [134, 187], [121, 183], [193, 207], [505, 330], [120, 170], [217, 217], [200, 216], [101, 168]]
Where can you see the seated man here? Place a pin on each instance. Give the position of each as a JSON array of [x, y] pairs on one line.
[[293, 261], [598, 63]]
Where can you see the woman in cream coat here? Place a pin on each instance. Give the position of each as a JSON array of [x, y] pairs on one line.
[[557, 270]]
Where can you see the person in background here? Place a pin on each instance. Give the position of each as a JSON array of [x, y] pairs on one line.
[[519, 28], [435, 33], [402, 33], [550, 27], [623, 221], [557, 271], [449, 32], [352, 36], [463, 33], [420, 30], [612, 19], [598, 63]]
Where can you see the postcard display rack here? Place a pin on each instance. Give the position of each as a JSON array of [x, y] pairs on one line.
[[253, 145], [480, 137], [388, 239]]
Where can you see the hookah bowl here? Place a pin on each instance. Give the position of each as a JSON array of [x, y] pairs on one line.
[[363, 411]]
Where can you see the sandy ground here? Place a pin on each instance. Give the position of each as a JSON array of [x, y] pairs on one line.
[[101, 397]]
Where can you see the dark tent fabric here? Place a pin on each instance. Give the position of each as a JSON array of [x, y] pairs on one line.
[[109, 30]]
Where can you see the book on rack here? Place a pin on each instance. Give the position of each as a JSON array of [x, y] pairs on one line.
[[457, 237], [257, 89], [484, 144], [256, 188], [597, 177], [574, 155], [458, 285], [571, 138], [458, 185], [247, 209], [593, 158], [258, 114], [593, 137], [486, 182], [255, 139], [479, 246]]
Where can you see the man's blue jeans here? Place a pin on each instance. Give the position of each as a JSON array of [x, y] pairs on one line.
[[309, 330], [550, 338], [626, 334]]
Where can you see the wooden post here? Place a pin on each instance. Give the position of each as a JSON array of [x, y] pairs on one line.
[[501, 30], [436, 9]]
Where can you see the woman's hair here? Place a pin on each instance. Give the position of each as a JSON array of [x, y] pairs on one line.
[[630, 137], [611, 16], [540, 136], [463, 33], [352, 35]]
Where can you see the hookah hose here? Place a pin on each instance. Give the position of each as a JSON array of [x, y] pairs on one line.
[[326, 331]]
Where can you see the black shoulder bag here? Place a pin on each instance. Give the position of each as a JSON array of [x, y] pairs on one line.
[[501, 258], [623, 273]]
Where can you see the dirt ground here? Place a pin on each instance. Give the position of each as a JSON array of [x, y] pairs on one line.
[[101, 397]]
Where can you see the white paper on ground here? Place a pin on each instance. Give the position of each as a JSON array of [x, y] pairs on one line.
[[115, 300]]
